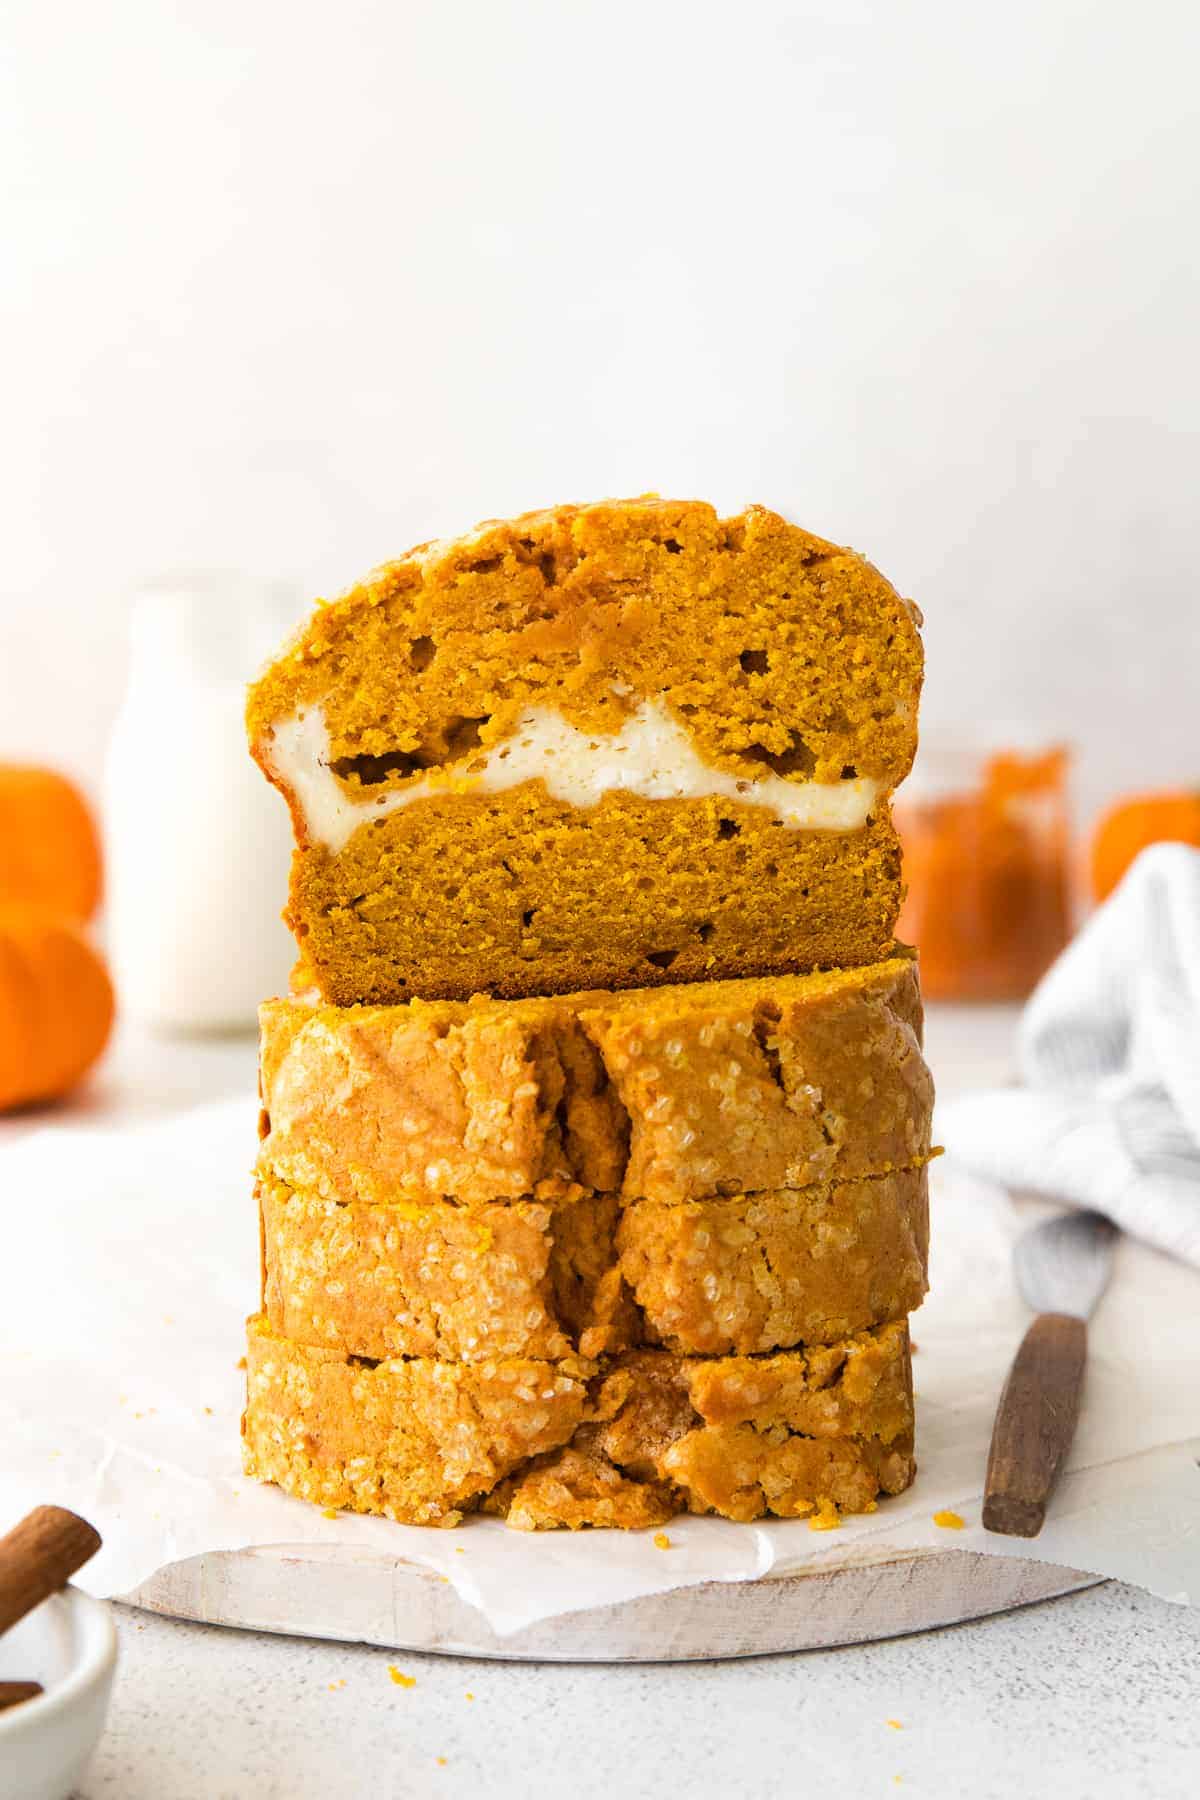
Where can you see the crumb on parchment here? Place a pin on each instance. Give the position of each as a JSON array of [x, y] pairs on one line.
[[400, 1678], [949, 1521], [661, 1541], [827, 1517]]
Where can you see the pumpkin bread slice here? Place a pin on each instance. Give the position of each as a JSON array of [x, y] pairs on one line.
[[610, 745], [672, 1094], [584, 1273], [423, 1442]]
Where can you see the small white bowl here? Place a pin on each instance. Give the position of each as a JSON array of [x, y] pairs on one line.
[[69, 1644]]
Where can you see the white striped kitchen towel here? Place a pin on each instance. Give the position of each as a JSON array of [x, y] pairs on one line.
[[1109, 1054]]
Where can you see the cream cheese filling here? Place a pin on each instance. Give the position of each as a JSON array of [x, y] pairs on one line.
[[651, 756]]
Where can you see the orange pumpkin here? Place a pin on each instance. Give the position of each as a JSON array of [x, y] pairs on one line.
[[49, 846], [1171, 817], [56, 1005]]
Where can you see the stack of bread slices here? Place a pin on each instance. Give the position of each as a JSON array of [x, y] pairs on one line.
[[594, 1137]]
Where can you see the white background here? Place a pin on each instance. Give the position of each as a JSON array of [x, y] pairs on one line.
[[288, 286]]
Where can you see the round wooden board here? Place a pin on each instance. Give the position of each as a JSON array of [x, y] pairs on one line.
[[308, 1591]]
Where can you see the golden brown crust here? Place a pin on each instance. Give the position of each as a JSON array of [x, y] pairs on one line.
[[776, 652], [417, 1441], [423, 1442], [467, 1283], [739, 1086], [757, 1272], [543, 1279], [677, 1093]]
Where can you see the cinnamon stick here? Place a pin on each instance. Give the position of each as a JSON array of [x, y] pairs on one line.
[[39, 1556], [13, 1692]]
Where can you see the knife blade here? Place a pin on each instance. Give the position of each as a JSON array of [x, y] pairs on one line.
[[1062, 1268]]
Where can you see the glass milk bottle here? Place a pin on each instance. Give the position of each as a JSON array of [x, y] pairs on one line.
[[198, 844]]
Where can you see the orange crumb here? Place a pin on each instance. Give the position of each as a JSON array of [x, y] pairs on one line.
[[458, 1549], [441, 1762], [470, 1695], [329, 1512], [950, 1521], [208, 1410], [335, 1685], [400, 1678], [661, 1541], [240, 1363], [827, 1517], [895, 1725]]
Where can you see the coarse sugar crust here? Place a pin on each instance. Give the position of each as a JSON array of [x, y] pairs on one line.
[[585, 1273], [758, 1272], [470, 1283], [570, 1444], [777, 654], [672, 1093], [417, 1440]]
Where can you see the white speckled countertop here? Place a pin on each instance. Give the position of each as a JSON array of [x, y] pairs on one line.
[[1094, 1695]]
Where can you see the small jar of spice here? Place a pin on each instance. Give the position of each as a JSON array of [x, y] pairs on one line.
[[986, 846]]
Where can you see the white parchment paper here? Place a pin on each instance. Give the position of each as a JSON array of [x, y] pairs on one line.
[[130, 1260]]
